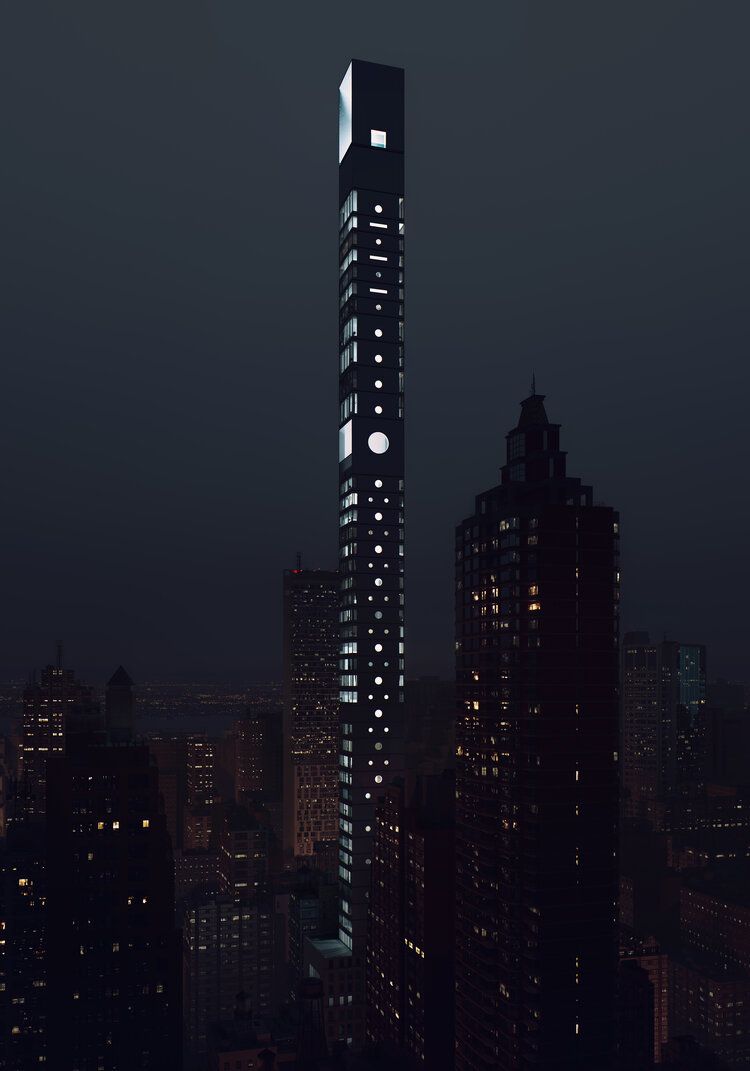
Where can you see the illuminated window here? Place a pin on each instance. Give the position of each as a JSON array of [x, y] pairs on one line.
[[378, 139], [345, 441]]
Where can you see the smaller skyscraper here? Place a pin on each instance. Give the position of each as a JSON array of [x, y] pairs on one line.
[[113, 954], [310, 711], [410, 981], [23, 948], [227, 950], [119, 707], [51, 707], [664, 723]]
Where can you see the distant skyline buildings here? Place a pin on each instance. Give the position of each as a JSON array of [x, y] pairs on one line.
[[51, 707], [311, 711], [664, 727]]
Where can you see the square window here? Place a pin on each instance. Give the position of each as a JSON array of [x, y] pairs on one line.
[[377, 139]]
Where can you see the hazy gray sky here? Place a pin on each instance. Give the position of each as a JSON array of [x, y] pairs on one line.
[[577, 183]]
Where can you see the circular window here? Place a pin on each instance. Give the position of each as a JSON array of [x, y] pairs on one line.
[[378, 680], [378, 713], [378, 359], [378, 549], [378, 442], [368, 829], [378, 333], [378, 241], [378, 583], [378, 516], [378, 308], [378, 613], [378, 647], [378, 746], [378, 779], [367, 795], [378, 208], [378, 384], [378, 409], [378, 483]]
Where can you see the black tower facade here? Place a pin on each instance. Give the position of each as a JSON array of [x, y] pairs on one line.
[[371, 467], [536, 769]]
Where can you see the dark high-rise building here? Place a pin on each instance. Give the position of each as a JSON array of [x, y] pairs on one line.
[[244, 850], [536, 741], [635, 1017], [663, 722], [311, 705], [119, 706], [169, 754], [227, 950], [649, 956], [313, 913], [410, 983], [23, 949], [259, 774], [50, 708], [371, 466], [201, 791], [113, 953]]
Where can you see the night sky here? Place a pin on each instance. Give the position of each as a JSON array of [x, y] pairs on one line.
[[577, 206]]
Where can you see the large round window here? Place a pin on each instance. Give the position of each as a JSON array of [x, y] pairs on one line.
[[378, 442]]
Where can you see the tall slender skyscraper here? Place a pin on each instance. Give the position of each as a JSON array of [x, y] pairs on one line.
[[311, 712], [371, 467], [536, 769]]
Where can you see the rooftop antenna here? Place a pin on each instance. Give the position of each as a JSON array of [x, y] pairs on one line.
[[533, 382]]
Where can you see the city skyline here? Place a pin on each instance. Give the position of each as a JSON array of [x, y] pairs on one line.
[[537, 860], [610, 262]]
